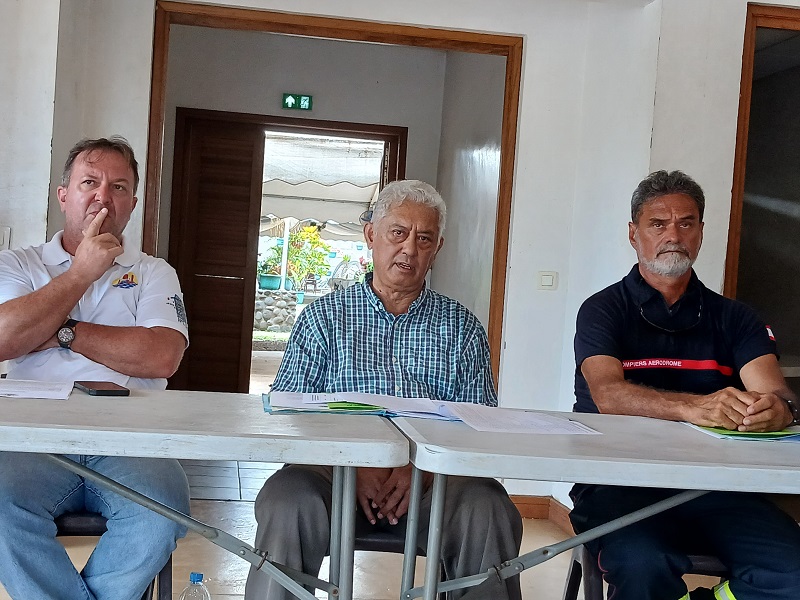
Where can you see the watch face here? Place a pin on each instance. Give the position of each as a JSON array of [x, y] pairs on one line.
[[65, 335]]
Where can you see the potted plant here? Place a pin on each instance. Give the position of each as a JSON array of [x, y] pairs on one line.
[[307, 257], [269, 270]]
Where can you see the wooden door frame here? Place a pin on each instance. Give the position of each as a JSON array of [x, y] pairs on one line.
[[202, 15], [758, 15]]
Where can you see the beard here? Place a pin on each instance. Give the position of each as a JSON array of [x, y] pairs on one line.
[[671, 260]]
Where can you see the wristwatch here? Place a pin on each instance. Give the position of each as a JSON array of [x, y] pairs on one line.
[[66, 334], [794, 408]]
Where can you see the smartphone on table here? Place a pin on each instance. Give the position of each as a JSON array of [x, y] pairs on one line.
[[102, 388]]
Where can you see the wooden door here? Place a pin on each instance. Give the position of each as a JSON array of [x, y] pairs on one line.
[[216, 205]]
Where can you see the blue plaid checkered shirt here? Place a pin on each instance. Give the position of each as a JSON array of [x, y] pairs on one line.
[[348, 342]]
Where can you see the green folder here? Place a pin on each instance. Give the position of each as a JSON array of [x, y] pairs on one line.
[[750, 435]]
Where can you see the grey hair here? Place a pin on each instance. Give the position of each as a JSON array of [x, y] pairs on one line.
[[663, 183], [117, 143], [409, 190]]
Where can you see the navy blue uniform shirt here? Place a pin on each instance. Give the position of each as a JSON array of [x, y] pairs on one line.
[[698, 345]]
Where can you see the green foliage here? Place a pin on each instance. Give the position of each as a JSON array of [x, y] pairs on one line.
[[307, 255], [271, 265]]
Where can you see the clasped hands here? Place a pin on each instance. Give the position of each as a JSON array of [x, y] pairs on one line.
[[743, 411], [385, 493]]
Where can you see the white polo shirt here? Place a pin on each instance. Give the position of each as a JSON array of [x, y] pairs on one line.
[[138, 290]]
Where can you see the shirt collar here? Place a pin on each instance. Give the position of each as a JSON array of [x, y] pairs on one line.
[[684, 314], [53, 252], [375, 301]]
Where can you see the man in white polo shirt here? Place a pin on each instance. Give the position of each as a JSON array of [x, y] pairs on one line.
[[88, 305]]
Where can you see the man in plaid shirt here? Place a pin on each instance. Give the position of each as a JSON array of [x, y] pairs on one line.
[[390, 335]]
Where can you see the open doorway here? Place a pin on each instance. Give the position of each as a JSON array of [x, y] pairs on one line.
[[316, 188], [763, 263], [244, 185]]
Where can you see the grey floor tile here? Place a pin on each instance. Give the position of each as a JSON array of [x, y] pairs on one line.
[[269, 466], [230, 481], [215, 493], [211, 463], [217, 471]]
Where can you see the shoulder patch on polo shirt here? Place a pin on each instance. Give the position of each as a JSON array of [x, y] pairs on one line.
[[180, 310], [126, 281]]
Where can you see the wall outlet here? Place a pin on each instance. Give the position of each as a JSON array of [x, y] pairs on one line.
[[5, 237]]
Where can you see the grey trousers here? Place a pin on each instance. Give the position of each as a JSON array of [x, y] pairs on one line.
[[481, 527]]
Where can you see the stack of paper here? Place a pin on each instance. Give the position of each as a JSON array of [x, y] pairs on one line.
[[477, 416], [22, 388], [357, 403]]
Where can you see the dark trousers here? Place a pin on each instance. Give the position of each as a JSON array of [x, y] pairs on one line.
[[754, 539]]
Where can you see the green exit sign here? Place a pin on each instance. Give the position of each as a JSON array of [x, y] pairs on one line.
[[297, 101]]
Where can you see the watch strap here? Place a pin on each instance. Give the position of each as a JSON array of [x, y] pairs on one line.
[[794, 408]]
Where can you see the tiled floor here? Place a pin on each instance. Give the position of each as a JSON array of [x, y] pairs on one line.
[[227, 480]]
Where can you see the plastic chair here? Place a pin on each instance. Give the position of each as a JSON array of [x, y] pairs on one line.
[[583, 565], [88, 523]]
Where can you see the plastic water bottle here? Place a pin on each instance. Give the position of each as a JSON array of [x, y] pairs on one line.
[[195, 590]]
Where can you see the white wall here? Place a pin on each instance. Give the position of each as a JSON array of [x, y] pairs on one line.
[[28, 36], [105, 52], [248, 72], [469, 174]]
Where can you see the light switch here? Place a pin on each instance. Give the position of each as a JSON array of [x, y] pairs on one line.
[[5, 237], [547, 280]]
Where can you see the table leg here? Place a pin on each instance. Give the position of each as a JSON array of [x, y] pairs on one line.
[[347, 555], [412, 527], [434, 551], [336, 526]]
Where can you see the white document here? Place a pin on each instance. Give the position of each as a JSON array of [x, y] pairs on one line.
[[393, 405], [509, 420], [21, 388]]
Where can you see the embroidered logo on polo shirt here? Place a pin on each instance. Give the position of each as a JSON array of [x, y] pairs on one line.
[[126, 281], [180, 310], [770, 334]]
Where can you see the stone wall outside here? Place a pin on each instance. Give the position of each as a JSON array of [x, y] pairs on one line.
[[275, 310]]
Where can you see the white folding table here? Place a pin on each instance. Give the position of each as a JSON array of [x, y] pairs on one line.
[[212, 426], [632, 451]]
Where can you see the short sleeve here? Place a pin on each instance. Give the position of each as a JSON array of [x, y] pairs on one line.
[[598, 329], [161, 301], [14, 281], [751, 338]]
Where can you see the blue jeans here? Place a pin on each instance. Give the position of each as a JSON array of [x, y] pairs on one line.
[[35, 490]]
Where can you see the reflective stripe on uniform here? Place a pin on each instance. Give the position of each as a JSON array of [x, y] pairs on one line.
[[723, 591], [685, 597]]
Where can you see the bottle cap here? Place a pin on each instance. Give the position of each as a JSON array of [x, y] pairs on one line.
[[196, 578]]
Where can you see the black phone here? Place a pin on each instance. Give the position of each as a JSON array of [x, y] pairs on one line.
[[102, 388]]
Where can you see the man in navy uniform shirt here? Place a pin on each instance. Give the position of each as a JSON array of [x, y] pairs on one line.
[[660, 344]]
